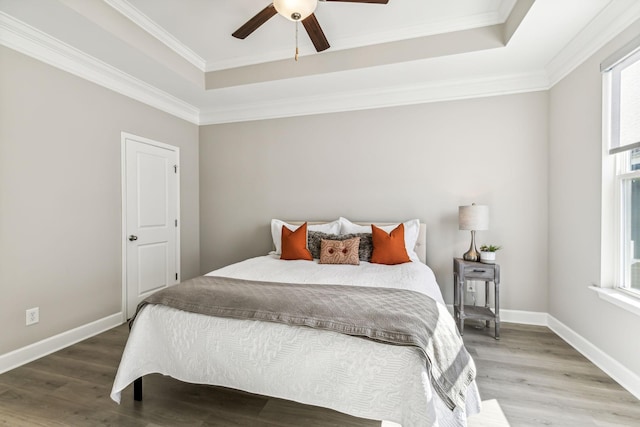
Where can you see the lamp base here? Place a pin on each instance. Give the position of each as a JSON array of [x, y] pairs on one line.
[[472, 254]]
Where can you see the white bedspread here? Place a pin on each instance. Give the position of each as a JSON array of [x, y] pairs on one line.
[[351, 375]]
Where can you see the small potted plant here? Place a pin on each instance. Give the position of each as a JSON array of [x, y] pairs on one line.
[[488, 253]]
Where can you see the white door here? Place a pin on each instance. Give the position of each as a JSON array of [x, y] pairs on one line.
[[150, 214]]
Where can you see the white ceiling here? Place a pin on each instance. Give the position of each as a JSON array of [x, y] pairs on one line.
[[161, 51], [205, 26]]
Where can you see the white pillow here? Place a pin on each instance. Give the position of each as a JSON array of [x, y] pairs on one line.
[[332, 227], [411, 233]]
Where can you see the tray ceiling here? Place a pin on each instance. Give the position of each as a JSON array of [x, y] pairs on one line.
[[407, 51]]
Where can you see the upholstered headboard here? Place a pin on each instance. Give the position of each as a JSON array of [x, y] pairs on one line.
[[421, 243]]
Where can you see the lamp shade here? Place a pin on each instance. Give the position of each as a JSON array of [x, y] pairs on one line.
[[473, 217], [295, 10]]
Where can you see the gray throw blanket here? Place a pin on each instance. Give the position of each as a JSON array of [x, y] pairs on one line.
[[393, 316]]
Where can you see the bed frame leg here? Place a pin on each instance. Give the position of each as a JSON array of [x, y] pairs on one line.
[[137, 389]]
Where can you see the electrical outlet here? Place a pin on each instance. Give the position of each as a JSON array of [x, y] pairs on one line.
[[471, 286], [33, 316]]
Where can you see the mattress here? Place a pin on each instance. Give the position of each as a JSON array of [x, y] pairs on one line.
[[348, 374]]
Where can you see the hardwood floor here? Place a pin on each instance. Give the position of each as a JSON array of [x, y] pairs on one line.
[[537, 378], [540, 380]]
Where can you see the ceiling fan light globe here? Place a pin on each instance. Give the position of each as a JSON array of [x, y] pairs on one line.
[[295, 10]]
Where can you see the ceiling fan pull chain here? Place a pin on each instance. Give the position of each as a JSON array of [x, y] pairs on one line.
[[296, 57]]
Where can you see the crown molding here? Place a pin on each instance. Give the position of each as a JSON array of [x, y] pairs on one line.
[[147, 24], [505, 9], [380, 98], [609, 23], [32, 42]]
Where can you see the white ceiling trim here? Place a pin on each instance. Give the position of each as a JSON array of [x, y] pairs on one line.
[[147, 24], [373, 38], [381, 98], [505, 9], [30, 41], [605, 26]]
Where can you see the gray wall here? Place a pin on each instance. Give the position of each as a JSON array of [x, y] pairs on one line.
[[60, 202], [575, 201], [398, 163]]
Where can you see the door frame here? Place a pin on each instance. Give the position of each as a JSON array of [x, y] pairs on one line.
[[124, 136]]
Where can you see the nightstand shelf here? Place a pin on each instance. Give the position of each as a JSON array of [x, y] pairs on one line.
[[470, 270], [479, 313]]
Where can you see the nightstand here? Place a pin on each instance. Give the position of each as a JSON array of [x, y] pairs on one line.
[[470, 270]]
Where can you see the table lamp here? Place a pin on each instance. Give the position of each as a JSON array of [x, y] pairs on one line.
[[474, 217]]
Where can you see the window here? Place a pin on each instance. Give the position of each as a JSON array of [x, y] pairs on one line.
[[622, 124], [628, 195]]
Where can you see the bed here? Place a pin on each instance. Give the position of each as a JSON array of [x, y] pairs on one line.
[[349, 374]]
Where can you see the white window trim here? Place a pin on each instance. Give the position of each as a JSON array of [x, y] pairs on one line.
[[611, 215], [619, 297], [609, 208]]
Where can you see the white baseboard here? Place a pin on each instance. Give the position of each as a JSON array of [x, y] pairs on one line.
[[623, 376], [524, 317], [52, 344]]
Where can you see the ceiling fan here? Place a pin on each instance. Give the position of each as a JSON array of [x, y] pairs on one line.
[[295, 10]]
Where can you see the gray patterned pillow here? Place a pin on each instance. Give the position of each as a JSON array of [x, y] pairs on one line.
[[314, 239]]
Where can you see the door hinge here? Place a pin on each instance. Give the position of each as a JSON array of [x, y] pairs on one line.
[[175, 168], [176, 276], [176, 222]]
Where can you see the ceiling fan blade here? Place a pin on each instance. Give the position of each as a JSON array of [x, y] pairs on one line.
[[316, 34], [362, 1], [254, 23]]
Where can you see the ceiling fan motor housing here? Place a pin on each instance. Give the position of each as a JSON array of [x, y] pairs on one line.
[[295, 10]]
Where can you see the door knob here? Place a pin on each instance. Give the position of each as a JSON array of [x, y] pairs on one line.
[[132, 238]]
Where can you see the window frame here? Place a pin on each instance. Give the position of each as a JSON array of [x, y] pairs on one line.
[[622, 199], [617, 160]]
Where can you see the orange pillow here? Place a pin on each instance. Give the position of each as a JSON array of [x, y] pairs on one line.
[[294, 244], [388, 248]]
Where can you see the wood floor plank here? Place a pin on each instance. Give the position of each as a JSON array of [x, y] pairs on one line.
[[11, 419], [32, 380], [287, 413], [531, 415], [164, 412], [538, 379], [84, 370], [37, 406], [88, 418], [86, 352]]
